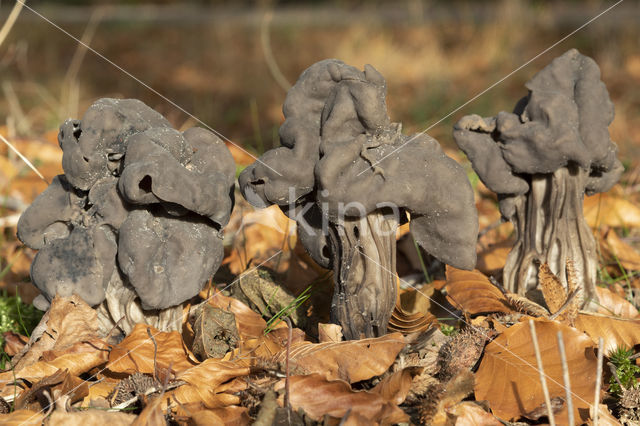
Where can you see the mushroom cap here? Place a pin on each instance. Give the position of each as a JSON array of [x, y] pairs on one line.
[[136, 194], [356, 161], [167, 259], [564, 119], [103, 131]]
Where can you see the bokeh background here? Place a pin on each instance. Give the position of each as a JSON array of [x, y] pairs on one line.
[[228, 64]]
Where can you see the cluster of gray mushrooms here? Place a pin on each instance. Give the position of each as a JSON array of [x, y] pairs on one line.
[[134, 225]]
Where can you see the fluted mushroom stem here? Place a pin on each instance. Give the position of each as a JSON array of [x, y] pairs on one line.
[[550, 227], [122, 309], [364, 255]]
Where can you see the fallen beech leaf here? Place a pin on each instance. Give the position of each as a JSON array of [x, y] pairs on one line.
[[99, 390], [619, 253], [407, 323], [250, 324], [395, 387], [610, 210], [240, 156], [76, 364], [136, 352], [232, 416], [319, 397], [508, 376], [91, 417], [152, 414], [329, 333], [469, 413], [262, 234], [555, 295], [472, 292], [29, 398], [22, 417], [493, 259], [13, 342], [611, 304], [352, 361], [253, 351], [614, 331], [69, 320]]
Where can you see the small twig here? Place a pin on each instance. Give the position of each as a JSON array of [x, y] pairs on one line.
[[23, 158], [287, 402], [148, 392], [615, 375], [596, 399], [155, 354], [8, 24], [543, 379], [565, 377]]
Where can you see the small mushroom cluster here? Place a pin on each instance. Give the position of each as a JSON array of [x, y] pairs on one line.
[[134, 224], [348, 176], [541, 160]]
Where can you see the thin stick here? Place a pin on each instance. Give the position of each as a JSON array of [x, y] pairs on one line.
[[8, 24], [155, 354], [596, 398], [565, 377], [543, 379], [287, 402], [22, 157]]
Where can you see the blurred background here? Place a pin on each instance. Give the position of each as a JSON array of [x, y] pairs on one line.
[[229, 64]]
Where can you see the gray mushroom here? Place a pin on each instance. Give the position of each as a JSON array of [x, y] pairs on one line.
[[541, 160], [137, 217], [348, 176]]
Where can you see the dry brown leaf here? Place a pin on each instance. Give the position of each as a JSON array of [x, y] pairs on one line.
[[406, 323], [508, 376], [265, 347], [136, 352], [611, 304], [152, 414], [329, 333], [260, 237], [614, 331], [493, 259], [76, 364], [69, 320], [99, 390], [618, 253], [352, 361], [13, 342], [472, 292], [89, 418], [22, 418], [229, 416], [319, 397], [469, 413], [552, 289], [395, 387], [250, 324], [610, 210]]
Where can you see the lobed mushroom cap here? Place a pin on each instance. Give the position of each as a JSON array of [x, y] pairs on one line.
[[357, 161], [563, 120], [137, 197]]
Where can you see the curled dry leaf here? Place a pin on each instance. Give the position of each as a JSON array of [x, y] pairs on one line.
[[610, 210], [319, 397], [492, 260], [395, 387], [469, 413], [329, 333], [22, 418], [13, 342], [556, 296], [352, 360], [136, 352], [92, 417], [472, 292], [231, 416], [508, 375], [250, 324], [617, 252], [75, 363], [614, 331], [406, 323], [611, 304], [68, 321]]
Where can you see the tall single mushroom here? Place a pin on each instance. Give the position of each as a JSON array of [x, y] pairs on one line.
[[541, 160], [135, 223], [348, 176]]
